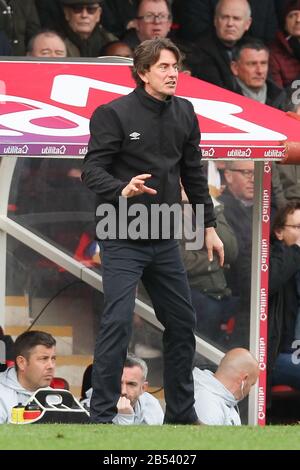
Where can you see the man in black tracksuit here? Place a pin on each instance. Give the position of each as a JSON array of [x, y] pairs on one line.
[[140, 147]]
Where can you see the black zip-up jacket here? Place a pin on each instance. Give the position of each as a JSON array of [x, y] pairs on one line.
[[138, 134]]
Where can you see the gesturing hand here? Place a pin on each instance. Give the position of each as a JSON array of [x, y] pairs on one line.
[[137, 186]]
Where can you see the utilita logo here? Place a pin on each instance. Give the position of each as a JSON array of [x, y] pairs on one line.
[[15, 150]]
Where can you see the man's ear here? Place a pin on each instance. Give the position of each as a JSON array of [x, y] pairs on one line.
[[145, 386], [245, 377], [234, 68], [279, 233], [133, 24], [143, 76], [248, 24], [67, 14], [228, 176], [21, 362]]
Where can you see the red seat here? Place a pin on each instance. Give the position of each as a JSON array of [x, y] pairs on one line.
[[285, 405], [284, 390], [59, 382]]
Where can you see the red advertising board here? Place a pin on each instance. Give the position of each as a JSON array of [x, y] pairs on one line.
[[45, 109]]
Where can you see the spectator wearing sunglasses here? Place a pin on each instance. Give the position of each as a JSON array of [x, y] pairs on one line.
[[85, 36]]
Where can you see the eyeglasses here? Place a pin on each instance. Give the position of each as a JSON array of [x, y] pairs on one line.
[[297, 227], [246, 173], [152, 18], [91, 9]]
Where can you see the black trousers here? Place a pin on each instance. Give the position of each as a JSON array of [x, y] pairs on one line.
[[160, 267]]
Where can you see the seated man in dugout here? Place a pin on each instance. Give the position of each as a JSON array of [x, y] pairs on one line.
[[135, 405], [34, 368], [217, 395]]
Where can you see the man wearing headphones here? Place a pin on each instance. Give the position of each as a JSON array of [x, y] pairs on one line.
[[217, 395]]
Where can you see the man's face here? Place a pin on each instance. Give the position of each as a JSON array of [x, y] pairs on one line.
[[38, 370], [132, 383], [290, 233], [48, 46], [82, 19], [232, 20], [240, 180], [292, 23], [155, 27], [161, 79], [252, 67]]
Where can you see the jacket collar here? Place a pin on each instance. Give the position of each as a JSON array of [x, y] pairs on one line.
[[152, 103]]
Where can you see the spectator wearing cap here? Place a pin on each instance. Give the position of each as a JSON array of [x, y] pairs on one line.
[[85, 36], [285, 50]]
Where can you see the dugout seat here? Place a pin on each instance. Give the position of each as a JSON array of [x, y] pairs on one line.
[[59, 382], [285, 405]]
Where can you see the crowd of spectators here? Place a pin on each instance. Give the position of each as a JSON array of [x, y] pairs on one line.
[[250, 47]]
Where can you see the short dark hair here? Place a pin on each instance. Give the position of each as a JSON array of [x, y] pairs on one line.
[[250, 43], [147, 53], [282, 213], [134, 361], [29, 340]]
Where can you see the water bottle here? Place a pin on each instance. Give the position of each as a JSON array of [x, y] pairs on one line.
[[17, 413]]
